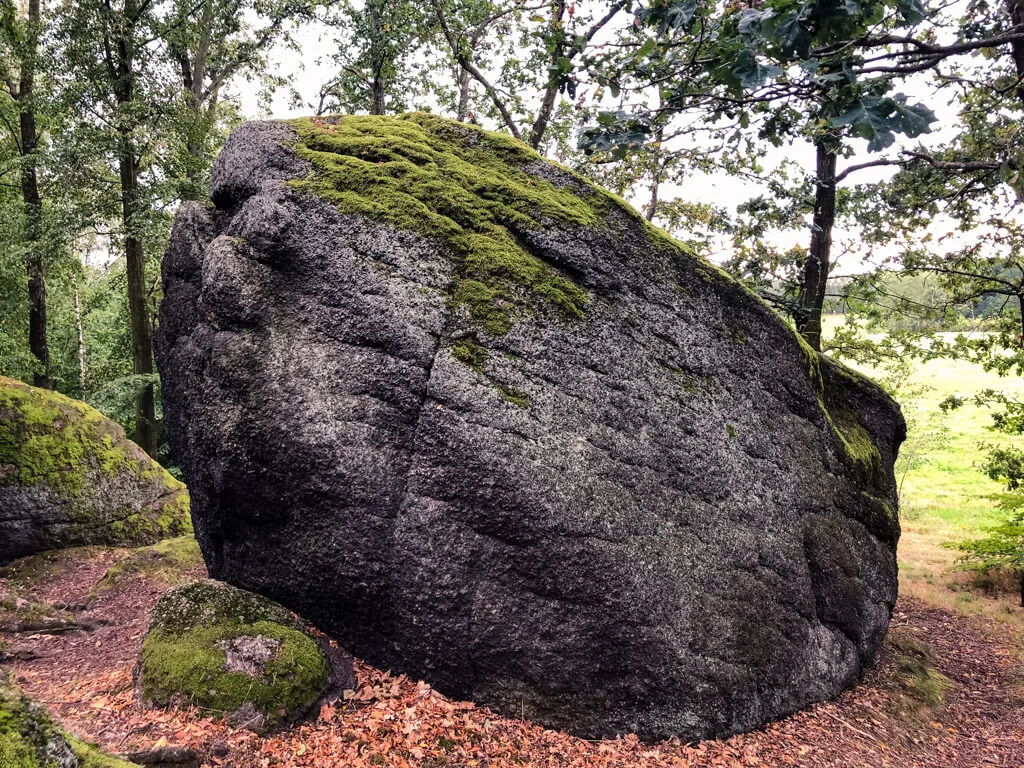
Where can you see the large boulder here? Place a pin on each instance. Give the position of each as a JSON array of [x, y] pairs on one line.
[[477, 419], [69, 477]]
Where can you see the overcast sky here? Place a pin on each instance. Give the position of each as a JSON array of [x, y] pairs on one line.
[[310, 69]]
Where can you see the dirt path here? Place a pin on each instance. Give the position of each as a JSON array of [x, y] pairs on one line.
[[946, 692]]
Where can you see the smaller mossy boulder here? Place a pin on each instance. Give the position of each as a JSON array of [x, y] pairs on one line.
[[236, 654], [171, 562], [69, 477], [30, 739]]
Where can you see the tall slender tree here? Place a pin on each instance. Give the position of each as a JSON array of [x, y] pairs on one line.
[[124, 94], [379, 56], [547, 39], [19, 55], [212, 42]]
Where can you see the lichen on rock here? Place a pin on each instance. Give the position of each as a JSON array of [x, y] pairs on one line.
[[70, 477], [232, 653]]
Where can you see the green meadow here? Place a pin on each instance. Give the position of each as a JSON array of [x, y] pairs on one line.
[[944, 495]]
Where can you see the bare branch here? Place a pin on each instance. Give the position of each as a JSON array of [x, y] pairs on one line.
[[477, 75], [870, 164]]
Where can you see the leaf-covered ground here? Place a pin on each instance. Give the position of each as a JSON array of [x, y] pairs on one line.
[[947, 691]]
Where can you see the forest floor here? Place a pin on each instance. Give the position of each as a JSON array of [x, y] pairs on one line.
[[946, 691]]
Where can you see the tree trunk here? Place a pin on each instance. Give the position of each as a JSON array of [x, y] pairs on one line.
[[122, 66], [656, 169], [464, 86], [1016, 10], [652, 205], [378, 91], [811, 298], [193, 67], [33, 205], [547, 103], [81, 347], [540, 125], [1020, 312], [142, 331]]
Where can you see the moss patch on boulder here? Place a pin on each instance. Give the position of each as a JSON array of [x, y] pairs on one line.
[[69, 477], [462, 185], [30, 739], [232, 653], [167, 562]]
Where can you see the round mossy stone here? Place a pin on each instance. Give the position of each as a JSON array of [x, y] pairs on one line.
[[30, 739], [232, 653], [69, 477]]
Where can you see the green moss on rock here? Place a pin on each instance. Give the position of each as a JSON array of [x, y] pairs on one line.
[[837, 384], [167, 562], [167, 517], [104, 488], [30, 739], [859, 449], [471, 353], [187, 656], [47, 438], [512, 395], [462, 185], [857, 443], [91, 756]]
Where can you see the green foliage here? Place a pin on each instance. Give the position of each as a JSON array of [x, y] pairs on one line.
[[759, 65], [210, 43], [879, 118], [948, 212], [1002, 546], [378, 46], [515, 63], [118, 86], [928, 430], [1005, 465]]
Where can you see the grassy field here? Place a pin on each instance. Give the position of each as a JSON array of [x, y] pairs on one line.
[[944, 494]]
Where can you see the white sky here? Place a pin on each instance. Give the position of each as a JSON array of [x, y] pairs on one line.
[[314, 67]]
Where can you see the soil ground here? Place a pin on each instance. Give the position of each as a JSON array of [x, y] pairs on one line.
[[946, 691]]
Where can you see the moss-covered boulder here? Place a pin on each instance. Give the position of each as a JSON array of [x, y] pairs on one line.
[[480, 421], [30, 739], [171, 562], [70, 477], [234, 654]]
